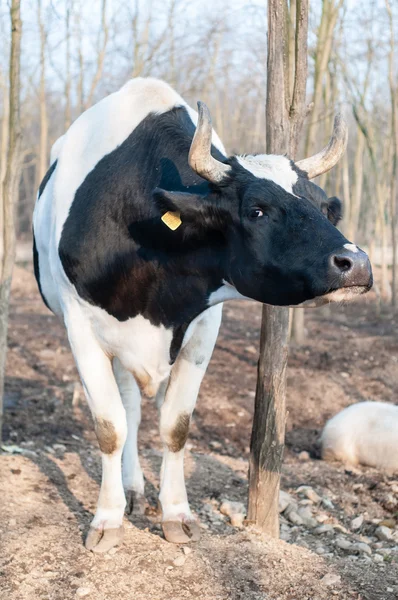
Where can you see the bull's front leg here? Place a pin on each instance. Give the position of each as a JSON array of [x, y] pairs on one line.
[[178, 523], [109, 416]]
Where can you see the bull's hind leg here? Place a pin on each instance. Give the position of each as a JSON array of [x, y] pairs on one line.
[[178, 523], [109, 416], [133, 479]]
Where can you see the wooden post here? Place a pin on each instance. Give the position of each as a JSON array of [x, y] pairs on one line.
[[10, 190], [284, 118]]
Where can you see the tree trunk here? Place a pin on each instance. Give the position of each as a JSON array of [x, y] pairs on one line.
[[10, 189], [298, 328], [68, 113], [3, 161], [101, 54], [394, 161], [357, 188], [283, 123], [346, 193], [330, 11], [42, 94]]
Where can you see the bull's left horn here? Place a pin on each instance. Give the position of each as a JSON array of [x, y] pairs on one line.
[[327, 158], [200, 158]]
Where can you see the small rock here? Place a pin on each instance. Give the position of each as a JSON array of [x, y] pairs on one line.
[[306, 514], [327, 503], [343, 544], [321, 529], [284, 500], [366, 559], [331, 579], [229, 508], [357, 523], [237, 520], [12, 522], [304, 455], [216, 445], [82, 592], [285, 536], [251, 349], [322, 517], [179, 561], [378, 558], [295, 518], [362, 548], [340, 527], [320, 550], [187, 550], [309, 493], [305, 502], [383, 533], [60, 447], [388, 523], [46, 353]]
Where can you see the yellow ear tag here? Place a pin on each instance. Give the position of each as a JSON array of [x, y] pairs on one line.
[[172, 220]]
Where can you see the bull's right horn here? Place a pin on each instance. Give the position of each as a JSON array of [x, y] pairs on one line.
[[200, 158], [327, 158]]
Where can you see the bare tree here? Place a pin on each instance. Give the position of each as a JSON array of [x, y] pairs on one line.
[[394, 148], [68, 84], [10, 187], [323, 50], [284, 118], [42, 96], [104, 34], [3, 153]]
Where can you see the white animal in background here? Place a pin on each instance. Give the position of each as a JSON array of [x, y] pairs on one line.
[[365, 433]]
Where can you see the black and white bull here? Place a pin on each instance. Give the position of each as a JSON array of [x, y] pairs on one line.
[[142, 229]]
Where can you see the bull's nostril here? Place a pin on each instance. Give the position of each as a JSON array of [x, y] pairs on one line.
[[343, 263]]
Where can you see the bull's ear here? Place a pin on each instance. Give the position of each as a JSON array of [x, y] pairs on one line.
[[191, 208], [335, 211]]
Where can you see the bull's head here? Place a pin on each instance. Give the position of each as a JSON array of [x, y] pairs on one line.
[[281, 244]]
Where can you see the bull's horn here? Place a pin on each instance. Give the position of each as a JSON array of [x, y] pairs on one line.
[[200, 158], [327, 158]]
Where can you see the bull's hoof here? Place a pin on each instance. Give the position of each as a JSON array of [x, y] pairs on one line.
[[135, 503], [178, 532], [102, 540]]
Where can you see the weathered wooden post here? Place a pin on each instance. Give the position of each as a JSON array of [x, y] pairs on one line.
[[285, 112]]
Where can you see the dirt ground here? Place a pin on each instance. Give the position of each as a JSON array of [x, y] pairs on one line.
[[49, 477]]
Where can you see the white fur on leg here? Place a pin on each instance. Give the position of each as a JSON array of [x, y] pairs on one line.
[[133, 478], [180, 400], [103, 396], [173, 494], [111, 501]]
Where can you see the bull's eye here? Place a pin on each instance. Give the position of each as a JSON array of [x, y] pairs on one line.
[[256, 213]]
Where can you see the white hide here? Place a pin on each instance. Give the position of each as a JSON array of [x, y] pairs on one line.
[[272, 167], [365, 433]]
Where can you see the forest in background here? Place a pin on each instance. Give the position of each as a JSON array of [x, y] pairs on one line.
[[75, 53]]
